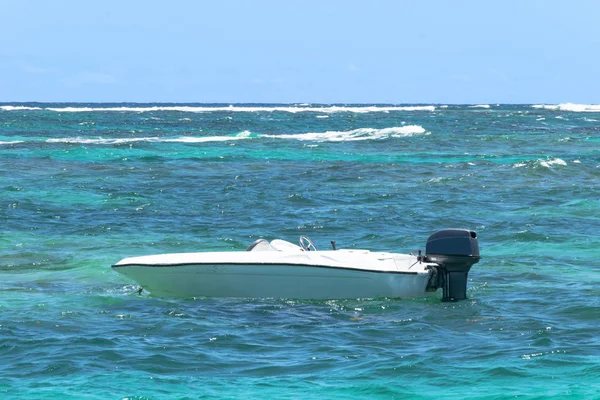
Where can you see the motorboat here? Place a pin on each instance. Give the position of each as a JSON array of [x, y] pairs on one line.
[[281, 269]]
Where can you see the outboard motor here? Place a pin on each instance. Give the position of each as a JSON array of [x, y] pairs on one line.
[[455, 251]]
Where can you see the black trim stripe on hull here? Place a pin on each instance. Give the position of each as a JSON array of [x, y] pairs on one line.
[[262, 265]]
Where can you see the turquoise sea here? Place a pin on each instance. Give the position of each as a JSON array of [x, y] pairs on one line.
[[84, 185]]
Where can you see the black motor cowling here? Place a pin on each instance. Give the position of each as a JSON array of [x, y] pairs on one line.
[[455, 251]]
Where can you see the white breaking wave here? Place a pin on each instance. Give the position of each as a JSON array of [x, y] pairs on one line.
[[480, 106], [183, 139], [543, 163], [191, 139], [353, 135], [11, 142], [18, 108], [80, 140], [231, 108], [569, 107], [550, 163], [330, 136]]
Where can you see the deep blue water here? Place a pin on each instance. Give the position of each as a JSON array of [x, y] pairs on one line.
[[84, 185]]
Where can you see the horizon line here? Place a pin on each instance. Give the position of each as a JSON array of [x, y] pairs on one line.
[[291, 103]]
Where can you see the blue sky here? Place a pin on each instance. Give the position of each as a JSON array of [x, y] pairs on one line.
[[315, 51]]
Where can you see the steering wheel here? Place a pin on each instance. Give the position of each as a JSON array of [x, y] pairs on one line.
[[307, 244]]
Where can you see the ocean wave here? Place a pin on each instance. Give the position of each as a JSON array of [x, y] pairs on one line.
[[354, 135], [550, 163], [80, 140], [329, 136], [18, 108], [543, 163], [203, 139], [10, 142], [154, 139], [569, 107], [231, 108], [480, 106]]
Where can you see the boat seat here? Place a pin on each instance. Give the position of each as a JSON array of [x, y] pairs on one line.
[[260, 245], [283, 245]]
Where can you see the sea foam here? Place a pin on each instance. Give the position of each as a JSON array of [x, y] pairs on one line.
[[204, 139], [231, 108], [18, 108], [550, 163], [354, 135], [569, 107], [329, 136], [80, 140], [153, 139], [10, 142]]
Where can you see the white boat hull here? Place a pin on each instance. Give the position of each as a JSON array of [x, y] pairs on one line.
[[288, 273], [279, 281]]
